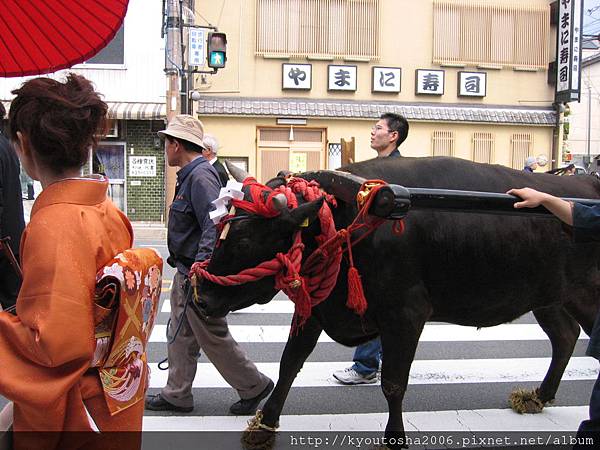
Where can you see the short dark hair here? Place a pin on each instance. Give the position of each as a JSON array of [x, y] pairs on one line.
[[2, 111], [398, 123], [189, 146], [61, 120]]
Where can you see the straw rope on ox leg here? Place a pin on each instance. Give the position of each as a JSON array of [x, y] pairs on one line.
[[257, 435], [525, 401]]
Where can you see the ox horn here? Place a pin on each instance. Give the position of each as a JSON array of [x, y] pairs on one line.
[[280, 202], [238, 174]]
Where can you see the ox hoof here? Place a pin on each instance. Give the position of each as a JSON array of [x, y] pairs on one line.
[[258, 436], [525, 402], [258, 440]]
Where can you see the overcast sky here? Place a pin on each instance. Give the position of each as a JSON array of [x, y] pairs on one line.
[[591, 17]]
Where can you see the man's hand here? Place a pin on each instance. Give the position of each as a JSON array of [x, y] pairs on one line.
[[531, 198]]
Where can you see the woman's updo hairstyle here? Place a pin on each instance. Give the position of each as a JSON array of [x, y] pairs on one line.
[[61, 120]]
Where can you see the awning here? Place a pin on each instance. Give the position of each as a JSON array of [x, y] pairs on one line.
[[128, 110], [137, 111], [42, 36]]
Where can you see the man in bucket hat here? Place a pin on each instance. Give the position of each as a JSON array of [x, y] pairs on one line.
[[191, 237]]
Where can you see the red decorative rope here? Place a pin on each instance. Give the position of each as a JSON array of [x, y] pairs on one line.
[[309, 284]]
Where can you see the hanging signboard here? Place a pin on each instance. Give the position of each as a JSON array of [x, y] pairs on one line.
[[196, 50], [568, 50]]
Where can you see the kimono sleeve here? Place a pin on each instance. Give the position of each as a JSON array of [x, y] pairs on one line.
[[49, 345]]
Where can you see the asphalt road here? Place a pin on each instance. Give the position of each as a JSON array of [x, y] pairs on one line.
[[459, 373], [458, 377]]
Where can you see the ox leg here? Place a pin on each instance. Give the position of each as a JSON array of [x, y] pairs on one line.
[[297, 349], [584, 313], [400, 331], [563, 331]]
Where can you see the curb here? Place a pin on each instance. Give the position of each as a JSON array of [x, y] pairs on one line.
[[149, 231]]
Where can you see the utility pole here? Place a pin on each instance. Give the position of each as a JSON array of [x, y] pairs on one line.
[[173, 71]]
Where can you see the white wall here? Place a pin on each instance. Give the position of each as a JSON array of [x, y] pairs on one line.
[[578, 119], [141, 78]]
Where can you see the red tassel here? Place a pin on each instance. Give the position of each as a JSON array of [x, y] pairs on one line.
[[356, 297]]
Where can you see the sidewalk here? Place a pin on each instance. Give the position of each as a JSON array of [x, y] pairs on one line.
[[141, 230], [150, 231]]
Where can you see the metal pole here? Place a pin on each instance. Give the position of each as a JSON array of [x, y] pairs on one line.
[[589, 127], [184, 88]]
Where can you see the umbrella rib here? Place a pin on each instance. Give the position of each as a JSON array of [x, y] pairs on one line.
[[55, 24], [35, 43], [44, 16], [106, 39], [16, 40]]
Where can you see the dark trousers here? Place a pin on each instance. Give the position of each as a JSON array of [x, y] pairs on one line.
[[9, 284], [590, 429]]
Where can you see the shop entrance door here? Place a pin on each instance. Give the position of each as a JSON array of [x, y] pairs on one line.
[[284, 148]]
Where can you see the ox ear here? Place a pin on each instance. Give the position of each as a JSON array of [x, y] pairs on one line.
[[309, 211]]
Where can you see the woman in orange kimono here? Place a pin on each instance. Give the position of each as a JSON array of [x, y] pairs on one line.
[[45, 351]]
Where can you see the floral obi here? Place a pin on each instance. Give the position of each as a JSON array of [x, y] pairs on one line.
[[126, 303]]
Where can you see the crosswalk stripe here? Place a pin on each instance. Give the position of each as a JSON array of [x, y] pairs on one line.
[[556, 418], [440, 371], [277, 307], [431, 333]]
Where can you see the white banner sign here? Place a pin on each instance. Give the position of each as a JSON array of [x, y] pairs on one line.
[[568, 50], [142, 166], [196, 47]]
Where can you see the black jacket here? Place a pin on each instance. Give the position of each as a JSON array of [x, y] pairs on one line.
[[223, 175], [11, 219]]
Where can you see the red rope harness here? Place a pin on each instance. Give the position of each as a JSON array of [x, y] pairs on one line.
[[310, 283]]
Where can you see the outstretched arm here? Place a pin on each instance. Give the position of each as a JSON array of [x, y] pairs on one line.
[[532, 198]]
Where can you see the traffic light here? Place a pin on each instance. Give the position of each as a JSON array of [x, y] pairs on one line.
[[217, 50]]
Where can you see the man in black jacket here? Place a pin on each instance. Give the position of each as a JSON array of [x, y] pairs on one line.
[[210, 153], [11, 217]]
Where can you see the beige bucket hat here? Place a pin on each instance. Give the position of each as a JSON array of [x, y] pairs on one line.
[[185, 127]]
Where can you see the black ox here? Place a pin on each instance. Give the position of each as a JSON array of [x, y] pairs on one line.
[[476, 270]]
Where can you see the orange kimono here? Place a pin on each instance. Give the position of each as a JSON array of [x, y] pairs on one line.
[[45, 352]]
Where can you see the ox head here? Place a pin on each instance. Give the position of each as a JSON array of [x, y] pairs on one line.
[[251, 240]]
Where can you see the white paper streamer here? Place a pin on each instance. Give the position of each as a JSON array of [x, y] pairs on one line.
[[232, 190]]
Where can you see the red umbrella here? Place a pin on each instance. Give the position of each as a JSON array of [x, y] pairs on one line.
[[41, 36]]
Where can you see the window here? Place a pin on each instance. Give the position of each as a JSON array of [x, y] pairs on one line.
[[476, 34], [327, 29], [521, 145], [483, 147], [113, 53], [442, 143]]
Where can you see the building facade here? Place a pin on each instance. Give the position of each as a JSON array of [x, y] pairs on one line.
[[582, 131], [470, 76], [129, 73]]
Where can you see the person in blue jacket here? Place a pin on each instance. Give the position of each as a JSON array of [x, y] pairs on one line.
[[585, 221]]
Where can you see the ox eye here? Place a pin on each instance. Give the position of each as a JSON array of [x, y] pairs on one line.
[[244, 244]]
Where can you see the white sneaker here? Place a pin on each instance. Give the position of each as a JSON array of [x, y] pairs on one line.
[[351, 376]]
